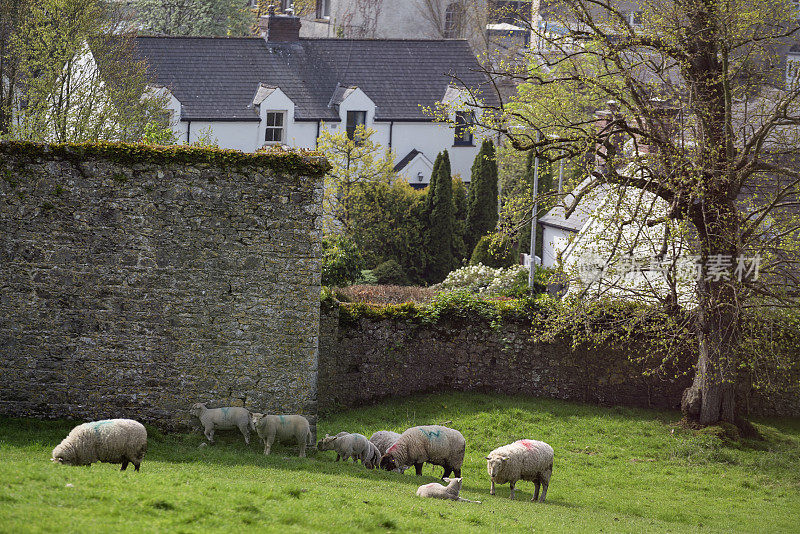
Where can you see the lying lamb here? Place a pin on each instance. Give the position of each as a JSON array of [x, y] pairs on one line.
[[226, 418], [355, 446], [284, 428], [435, 490], [115, 441], [525, 459], [383, 439], [434, 444]]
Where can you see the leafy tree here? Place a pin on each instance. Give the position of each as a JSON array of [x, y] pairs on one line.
[[341, 261], [701, 85], [390, 272], [495, 250], [75, 79], [355, 163], [12, 13], [220, 18], [439, 233], [482, 196], [389, 225]]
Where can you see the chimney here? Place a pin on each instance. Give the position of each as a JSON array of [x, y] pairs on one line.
[[279, 28]]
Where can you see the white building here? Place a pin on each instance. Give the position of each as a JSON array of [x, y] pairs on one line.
[[283, 89]]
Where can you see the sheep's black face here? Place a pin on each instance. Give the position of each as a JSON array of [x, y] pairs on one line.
[[388, 462]]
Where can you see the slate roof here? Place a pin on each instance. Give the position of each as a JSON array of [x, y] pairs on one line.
[[578, 218], [216, 78]]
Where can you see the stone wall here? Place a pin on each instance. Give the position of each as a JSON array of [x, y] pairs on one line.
[[372, 359], [138, 281]]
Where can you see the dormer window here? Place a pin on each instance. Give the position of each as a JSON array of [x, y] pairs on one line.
[[465, 122], [354, 120], [275, 127], [323, 9]]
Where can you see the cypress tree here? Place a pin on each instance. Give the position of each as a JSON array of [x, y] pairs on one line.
[[440, 224], [482, 196]]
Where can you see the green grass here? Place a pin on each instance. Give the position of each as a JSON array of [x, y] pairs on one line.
[[617, 469]]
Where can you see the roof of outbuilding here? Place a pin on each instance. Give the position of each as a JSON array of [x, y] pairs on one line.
[[216, 78], [408, 158]]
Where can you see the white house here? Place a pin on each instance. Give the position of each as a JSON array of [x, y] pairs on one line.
[[283, 89]]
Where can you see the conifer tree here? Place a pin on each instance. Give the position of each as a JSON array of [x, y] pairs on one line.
[[439, 236], [482, 197]]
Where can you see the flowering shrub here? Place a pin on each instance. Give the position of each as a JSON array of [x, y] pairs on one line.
[[486, 281]]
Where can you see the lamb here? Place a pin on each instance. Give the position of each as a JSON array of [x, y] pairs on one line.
[[383, 439], [525, 459], [355, 446], [435, 490], [434, 444], [225, 418], [284, 428], [114, 441]]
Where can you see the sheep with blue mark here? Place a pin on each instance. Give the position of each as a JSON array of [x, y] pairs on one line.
[[114, 441], [283, 428], [226, 418], [435, 444]]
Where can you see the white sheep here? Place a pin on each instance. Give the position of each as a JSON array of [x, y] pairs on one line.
[[434, 444], [355, 446], [114, 441], [434, 490], [383, 439], [284, 428], [225, 418], [526, 459]]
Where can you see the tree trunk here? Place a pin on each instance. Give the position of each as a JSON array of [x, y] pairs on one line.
[[712, 396]]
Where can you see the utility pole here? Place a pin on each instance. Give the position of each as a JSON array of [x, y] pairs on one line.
[[533, 217]]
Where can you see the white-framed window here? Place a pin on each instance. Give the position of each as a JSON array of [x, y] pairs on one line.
[[276, 126], [355, 119], [323, 9], [465, 122]]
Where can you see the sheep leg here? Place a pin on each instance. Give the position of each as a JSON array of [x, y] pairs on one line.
[[491, 491], [535, 491], [418, 468], [512, 491], [124, 464], [544, 491], [210, 434], [245, 430], [457, 473], [136, 466], [268, 444], [337, 457], [447, 471], [303, 448]]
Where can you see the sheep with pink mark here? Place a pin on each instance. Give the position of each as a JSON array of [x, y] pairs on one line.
[[526, 459]]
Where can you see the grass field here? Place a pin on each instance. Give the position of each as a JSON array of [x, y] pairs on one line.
[[618, 470]]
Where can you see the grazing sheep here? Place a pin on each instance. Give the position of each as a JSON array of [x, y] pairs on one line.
[[284, 428], [525, 459], [355, 446], [434, 490], [114, 441], [225, 418], [434, 444], [383, 439]]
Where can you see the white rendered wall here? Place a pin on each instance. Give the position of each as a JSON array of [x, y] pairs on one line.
[[554, 242]]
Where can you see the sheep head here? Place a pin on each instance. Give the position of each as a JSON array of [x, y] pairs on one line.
[[388, 462], [494, 464], [197, 408], [326, 444]]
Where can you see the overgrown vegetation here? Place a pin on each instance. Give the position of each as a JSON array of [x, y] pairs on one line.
[[616, 469]]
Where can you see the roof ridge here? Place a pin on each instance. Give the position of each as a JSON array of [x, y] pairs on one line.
[[333, 39]]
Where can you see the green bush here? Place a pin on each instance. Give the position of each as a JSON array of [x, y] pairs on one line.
[[341, 261], [390, 273], [495, 250]]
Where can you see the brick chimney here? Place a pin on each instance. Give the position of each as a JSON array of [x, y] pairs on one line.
[[279, 28]]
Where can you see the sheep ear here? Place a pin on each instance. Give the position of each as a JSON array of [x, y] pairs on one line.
[[504, 458], [487, 457]]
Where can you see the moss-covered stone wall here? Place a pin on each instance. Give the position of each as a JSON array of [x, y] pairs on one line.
[[138, 280]]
